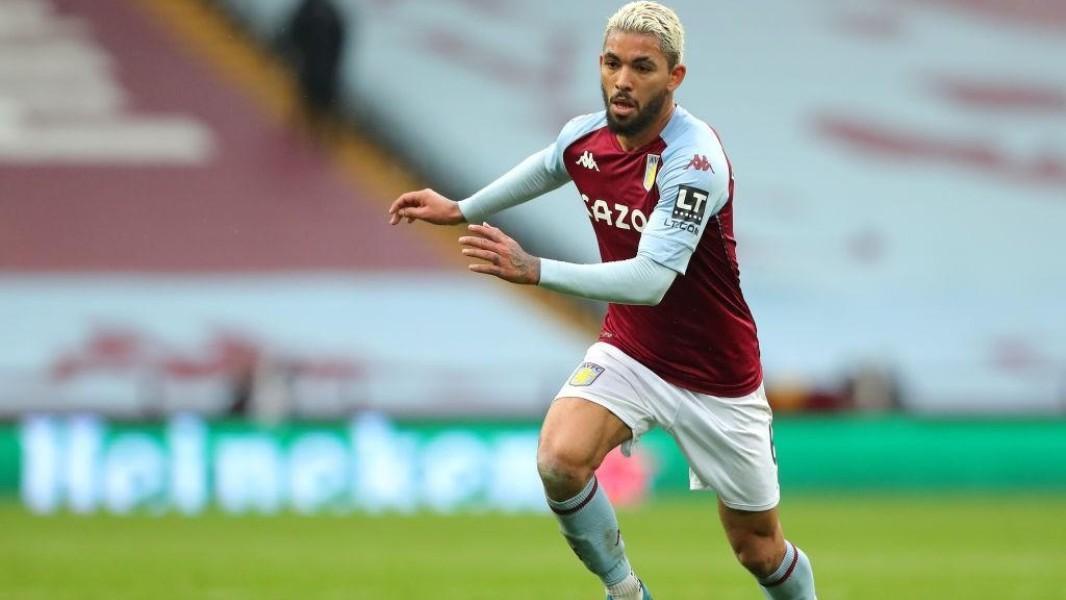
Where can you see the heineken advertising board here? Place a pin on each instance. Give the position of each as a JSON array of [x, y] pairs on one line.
[[370, 464], [84, 464]]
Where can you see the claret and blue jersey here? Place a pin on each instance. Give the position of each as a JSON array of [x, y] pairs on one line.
[[672, 201]]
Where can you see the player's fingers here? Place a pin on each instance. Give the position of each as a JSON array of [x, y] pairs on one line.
[[398, 203], [395, 214], [486, 269], [394, 211], [412, 213], [476, 241], [489, 232], [408, 200], [398, 216], [485, 255], [470, 241], [485, 230]]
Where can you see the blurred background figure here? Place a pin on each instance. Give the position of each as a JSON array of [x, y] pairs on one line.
[[315, 43]]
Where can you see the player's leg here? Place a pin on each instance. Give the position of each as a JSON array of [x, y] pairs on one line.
[[783, 571], [729, 446], [595, 411], [577, 434]]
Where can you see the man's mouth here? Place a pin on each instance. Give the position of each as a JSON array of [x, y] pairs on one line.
[[623, 106]]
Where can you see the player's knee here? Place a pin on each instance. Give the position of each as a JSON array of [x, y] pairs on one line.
[[563, 472], [757, 554]]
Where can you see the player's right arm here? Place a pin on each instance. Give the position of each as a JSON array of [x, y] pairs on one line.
[[529, 179], [536, 175]]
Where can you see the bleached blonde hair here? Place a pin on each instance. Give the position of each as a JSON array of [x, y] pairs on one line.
[[654, 19]]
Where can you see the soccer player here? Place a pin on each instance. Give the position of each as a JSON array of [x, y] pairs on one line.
[[678, 348]]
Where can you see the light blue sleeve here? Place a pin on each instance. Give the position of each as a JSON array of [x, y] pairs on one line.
[[637, 280], [693, 187], [529, 179], [538, 174]]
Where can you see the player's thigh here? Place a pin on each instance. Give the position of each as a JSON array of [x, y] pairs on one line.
[[598, 408], [579, 433], [728, 443]]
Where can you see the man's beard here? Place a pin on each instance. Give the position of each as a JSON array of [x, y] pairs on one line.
[[639, 120]]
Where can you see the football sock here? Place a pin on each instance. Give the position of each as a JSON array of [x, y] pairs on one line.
[[627, 589], [590, 527], [793, 579]]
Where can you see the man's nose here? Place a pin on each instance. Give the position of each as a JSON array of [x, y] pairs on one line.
[[623, 81]]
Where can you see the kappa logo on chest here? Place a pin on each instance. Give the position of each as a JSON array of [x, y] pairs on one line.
[[588, 161]]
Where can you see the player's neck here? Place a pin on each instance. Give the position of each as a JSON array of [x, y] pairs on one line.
[[652, 131]]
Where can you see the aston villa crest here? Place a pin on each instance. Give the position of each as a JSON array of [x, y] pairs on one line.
[[651, 169]]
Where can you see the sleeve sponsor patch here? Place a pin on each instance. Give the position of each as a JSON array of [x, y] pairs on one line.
[[690, 205]]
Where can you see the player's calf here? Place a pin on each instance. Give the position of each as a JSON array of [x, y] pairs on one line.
[[760, 555], [793, 579], [590, 527], [587, 520], [783, 571]]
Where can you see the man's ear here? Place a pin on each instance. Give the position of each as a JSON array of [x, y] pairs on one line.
[[677, 75]]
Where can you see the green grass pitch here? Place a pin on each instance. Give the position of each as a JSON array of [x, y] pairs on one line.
[[864, 548]]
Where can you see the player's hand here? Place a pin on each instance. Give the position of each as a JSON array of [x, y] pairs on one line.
[[503, 257], [425, 205]]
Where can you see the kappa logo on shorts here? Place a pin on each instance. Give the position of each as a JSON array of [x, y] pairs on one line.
[[586, 374]]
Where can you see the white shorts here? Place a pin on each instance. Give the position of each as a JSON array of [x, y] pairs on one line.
[[728, 442]]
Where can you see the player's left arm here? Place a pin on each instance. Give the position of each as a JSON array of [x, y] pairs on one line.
[[638, 280], [690, 196]]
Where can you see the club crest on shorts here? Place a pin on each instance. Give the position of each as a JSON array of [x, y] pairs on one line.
[[651, 169], [586, 374]]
